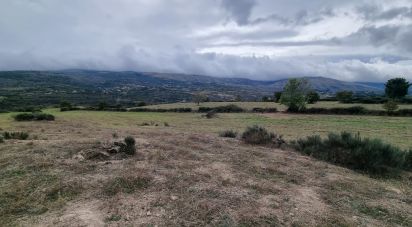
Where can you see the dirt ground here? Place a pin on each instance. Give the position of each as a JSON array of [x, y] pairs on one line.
[[182, 178]]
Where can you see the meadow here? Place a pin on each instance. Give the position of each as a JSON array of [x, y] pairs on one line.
[[184, 174]]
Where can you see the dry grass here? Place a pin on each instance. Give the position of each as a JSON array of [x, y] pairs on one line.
[[182, 175]]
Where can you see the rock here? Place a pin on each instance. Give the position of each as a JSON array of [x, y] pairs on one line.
[[173, 197]]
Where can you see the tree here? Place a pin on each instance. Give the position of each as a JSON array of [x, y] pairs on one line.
[[278, 94], [294, 94], [397, 88], [200, 97], [344, 96], [390, 105], [312, 97], [266, 99]]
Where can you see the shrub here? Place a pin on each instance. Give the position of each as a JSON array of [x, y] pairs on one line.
[[277, 96], [228, 134], [369, 155], [344, 96], [408, 160], [130, 147], [15, 135], [1, 139], [390, 106], [312, 97], [257, 135], [210, 114], [34, 117], [265, 110], [222, 109]]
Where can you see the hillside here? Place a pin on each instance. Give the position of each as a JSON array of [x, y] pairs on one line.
[[85, 87], [184, 174]]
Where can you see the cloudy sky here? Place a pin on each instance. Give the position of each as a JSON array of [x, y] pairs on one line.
[[353, 40]]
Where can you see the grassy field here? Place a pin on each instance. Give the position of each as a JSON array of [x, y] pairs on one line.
[[184, 174], [251, 105]]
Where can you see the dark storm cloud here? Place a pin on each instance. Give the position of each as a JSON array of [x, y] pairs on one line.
[[258, 39], [239, 10]]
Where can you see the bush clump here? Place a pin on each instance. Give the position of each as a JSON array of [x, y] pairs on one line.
[[34, 117], [15, 135], [257, 135], [228, 133], [368, 155], [1, 139], [130, 147], [222, 109]]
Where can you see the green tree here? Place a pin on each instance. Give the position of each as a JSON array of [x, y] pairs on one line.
[[312, 97], [397, 88], [294, 94], [344, 96], [278, 94]]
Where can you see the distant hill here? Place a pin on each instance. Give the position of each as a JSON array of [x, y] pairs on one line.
[[85, 87]]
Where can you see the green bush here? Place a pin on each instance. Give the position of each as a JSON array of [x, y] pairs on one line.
[[228, 134], [257, 135], [34, 117], [15, 135], [369, 155], [408, 160], [312, 97], [1, 139], [130, 147]]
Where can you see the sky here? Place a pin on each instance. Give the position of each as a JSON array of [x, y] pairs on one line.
[[351, 40]]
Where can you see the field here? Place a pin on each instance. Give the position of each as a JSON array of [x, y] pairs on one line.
[[251, 105], [184, 174]]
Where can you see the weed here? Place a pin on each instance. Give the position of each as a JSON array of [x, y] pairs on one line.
[[228, 133]]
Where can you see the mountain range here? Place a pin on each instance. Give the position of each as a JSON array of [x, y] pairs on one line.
[[127, 88]]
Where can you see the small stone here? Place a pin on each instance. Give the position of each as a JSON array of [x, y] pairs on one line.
[[148, 213], [173, 197]]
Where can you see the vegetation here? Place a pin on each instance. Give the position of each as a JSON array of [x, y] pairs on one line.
[[397, 88], [312, 97], [260, 136], [277, 96], [15, 135], [344, 96], [370, 155], [200, 97], [390, 106], [125, 184], [34, 117], [228, 133], [130, 147], [294, 94], [231, 108]]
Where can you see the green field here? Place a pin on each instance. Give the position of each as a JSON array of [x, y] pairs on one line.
[[251, 105], [395, 130]]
